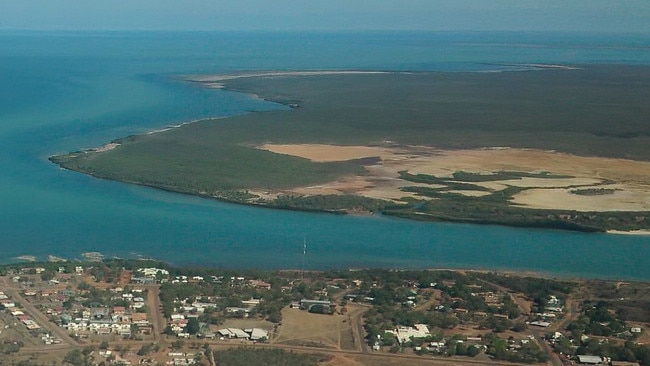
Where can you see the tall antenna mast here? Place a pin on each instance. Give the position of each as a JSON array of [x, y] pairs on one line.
[[304, 254]]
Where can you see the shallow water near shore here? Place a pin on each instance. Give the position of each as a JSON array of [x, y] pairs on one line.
[[67, 91]]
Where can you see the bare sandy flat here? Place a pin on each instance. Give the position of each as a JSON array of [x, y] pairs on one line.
[[629, 179], [540, 183], [628, 199], [328, 153], [109, 146]]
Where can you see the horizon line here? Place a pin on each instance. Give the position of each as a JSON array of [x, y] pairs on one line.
[[314, 30]]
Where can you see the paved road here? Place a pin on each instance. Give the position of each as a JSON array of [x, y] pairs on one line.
[[400, 358]]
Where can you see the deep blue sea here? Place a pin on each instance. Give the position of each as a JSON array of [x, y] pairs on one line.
[[61, 92]]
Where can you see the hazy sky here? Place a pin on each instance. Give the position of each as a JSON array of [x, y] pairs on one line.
[[436, 15]]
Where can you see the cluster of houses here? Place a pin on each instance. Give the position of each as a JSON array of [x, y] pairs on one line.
[[103, 322], [178, 324], [490, 298], [181, 359], [25, 319], [6, 302], [153, 275], [552, 310], [17, 313], [97, 319], [404, 335], [148, 276]]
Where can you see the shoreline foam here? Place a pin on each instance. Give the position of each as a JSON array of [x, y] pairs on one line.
[[630, 232]]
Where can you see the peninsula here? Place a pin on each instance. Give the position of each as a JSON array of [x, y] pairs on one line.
[[561, 147]]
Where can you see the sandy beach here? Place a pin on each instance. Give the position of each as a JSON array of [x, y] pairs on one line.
[[632, 232]]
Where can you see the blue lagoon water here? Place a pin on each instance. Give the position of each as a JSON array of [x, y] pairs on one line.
[[61, 92]]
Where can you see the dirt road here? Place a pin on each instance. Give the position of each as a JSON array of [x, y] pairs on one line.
[[155, 309]]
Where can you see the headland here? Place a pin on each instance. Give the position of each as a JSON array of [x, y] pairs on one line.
[[558, 148]]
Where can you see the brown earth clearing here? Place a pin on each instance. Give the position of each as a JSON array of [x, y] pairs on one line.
[[302, 328]]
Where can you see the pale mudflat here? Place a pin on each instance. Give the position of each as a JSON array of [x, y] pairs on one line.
[[627, 181]]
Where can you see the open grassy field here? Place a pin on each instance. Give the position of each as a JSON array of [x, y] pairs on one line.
[[595, 111], [301, 328]]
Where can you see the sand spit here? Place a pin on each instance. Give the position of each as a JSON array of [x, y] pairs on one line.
[[28, 258], [629, 180], [217, 81]]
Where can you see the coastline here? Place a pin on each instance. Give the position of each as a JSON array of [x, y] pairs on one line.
[[222, 81], [84, 259]]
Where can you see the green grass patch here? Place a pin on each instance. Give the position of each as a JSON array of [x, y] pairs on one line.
[[449, 184]]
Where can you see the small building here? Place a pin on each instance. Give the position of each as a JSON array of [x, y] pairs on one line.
[[143, 280], [258, 334], [308, 304], [233, 333], [225, 333], [139, 318], [542, 324], [404, 334], [238, 310], [251, 302], [590, 360], [238, 333], [260, 284]]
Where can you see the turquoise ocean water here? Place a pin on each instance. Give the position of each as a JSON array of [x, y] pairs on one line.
[[66, 91]]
